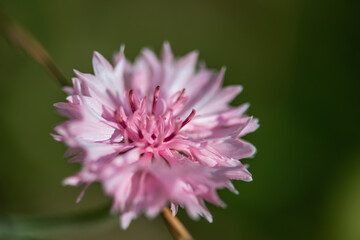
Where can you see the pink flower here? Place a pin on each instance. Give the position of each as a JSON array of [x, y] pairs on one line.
[[154, 133]]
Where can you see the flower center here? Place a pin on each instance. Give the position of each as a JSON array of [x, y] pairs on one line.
[[151, 128]]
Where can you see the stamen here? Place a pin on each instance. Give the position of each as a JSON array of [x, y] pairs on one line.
[[181, 94], [156, 96], [141, 136], [171, 136], [188, 119], [132, 102], [120, 120]]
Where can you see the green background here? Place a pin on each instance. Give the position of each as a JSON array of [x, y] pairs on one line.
[[298, 62]]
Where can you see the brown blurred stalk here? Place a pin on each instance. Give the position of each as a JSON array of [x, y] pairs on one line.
[[21, 39], [176, 227]]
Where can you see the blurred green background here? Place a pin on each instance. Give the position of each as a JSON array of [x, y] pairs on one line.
[[298, 62]]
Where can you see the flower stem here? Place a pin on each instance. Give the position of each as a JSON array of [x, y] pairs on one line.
[[176, 227], [21, 39]]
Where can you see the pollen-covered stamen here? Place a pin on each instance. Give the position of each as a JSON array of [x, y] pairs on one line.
[[186, 121], [156, 97], [131, 100]]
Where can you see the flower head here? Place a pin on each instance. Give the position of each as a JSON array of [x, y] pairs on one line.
[[155, 132]]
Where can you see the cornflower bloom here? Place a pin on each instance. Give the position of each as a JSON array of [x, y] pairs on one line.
[[154, 133]]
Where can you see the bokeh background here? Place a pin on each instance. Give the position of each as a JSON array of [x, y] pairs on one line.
[[298, 62]]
